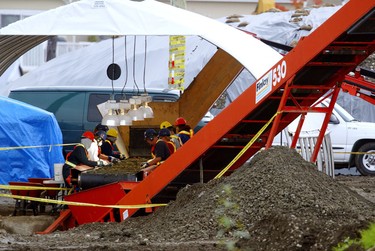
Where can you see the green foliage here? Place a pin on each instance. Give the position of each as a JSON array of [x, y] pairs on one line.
[[342, 246], [368, 237], [367, 240], [228, 227]]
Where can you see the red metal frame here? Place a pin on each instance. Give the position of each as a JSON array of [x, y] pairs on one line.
[[355, 85], [243, 115], [64, 222], [325, 124], [109, 194], [301, 55]]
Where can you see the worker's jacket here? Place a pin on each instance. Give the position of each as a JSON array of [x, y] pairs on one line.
[[185, 135], [160, 149], [94, 151], [171, 147], [176, 141], [79, 156], [108, 149]]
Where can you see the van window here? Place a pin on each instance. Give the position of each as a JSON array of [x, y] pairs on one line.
[[71, 113], [68, 108], [93, 114], [55, 102]]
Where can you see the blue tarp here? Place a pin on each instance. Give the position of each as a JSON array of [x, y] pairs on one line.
[[27, 127]]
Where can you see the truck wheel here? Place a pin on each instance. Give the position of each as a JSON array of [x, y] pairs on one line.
[[366, 162]]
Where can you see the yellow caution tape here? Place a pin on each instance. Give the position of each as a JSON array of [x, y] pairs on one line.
[[178, 67], [355, 153], [177, 46], [178, 74], [25, 147], [358, 153], [15, 187], [83, 204], [179, 81], [177, 37], [179, 60], [248, 145], [251, 142], [176, 40]]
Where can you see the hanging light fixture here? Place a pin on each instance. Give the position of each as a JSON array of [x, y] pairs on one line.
[[113, 73], [148, 113], [125, 119], [111, 119], [135, 112]]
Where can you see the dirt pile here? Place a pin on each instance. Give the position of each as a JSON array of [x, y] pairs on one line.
[[277, 202], [126, 166]]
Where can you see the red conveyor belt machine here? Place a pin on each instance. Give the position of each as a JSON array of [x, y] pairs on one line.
[[318, 66]]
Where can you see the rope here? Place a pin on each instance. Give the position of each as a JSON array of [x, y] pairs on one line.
[[40, 146], [248, 145]]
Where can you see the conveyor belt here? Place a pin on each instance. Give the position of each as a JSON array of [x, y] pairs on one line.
[[317, 65]]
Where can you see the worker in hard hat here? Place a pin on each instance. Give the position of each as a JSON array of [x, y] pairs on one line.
[[174, 138], [108, 146], [159, 151], [183, 130], [78, 158], [165, 135], [100, 127], [95, 149]]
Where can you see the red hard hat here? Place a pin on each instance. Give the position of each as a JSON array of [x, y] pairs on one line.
[[180, 121], [88, 135]]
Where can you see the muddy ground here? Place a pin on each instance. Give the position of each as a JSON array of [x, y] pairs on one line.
[[276, 202]]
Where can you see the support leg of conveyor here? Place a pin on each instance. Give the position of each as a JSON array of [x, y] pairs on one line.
[[65, 220]]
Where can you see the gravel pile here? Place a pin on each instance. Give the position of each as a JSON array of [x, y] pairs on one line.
[[277, 202]]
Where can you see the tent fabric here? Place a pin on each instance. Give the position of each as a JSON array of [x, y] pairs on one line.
[[88, 66], [278, 27], [148, 17], [283, 27], [77, 68], [357, 107], [25, 125]]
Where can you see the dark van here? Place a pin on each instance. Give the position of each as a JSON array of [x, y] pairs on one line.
[[75, 108]]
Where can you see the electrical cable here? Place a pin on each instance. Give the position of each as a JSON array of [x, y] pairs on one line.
[[144, 69], [113, 64], [126, 68], [135, 82]]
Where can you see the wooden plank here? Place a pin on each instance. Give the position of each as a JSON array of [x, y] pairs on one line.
[[207, 87]]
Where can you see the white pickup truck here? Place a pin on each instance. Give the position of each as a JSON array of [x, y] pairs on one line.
[[349, 137]]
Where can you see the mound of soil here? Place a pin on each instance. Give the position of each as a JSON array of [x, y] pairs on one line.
[[127, 166], [276, 202]]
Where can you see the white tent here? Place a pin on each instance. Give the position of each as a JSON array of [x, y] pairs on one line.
[[88, 66], [126, 17]]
